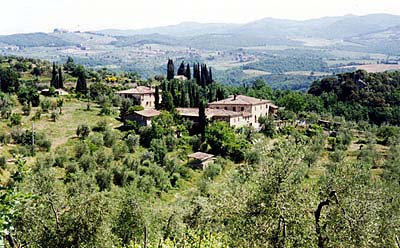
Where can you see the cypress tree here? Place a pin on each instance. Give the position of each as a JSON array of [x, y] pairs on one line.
[[202, 120], [170, 70], [210, 77], [187, 72], [157, 98], [60, 79], [81, 85], [54, 80], [181, 70]]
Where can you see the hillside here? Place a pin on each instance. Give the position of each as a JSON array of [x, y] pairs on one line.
[[77, 171], [289, 54]]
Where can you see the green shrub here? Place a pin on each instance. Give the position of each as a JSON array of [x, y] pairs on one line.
[[83, 131], [3, 162], [15, 119], [109, 138], [26, 109], [45, 105], [100, 126]]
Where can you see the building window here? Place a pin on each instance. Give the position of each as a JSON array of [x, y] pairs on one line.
[[217, 107], [234, 108], [242, 109], [225, 108], [255, 118]]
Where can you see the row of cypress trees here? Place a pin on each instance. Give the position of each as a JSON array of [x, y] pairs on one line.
[[57, 80], [201, 74]]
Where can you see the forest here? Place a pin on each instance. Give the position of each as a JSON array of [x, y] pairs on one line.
[[75, 172]]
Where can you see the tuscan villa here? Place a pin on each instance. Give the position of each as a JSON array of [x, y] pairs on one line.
[[247, 106], [142, 95]]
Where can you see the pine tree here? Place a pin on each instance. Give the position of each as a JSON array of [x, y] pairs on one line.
[[54, 80], [170, 70], [60, 79], [181, 70], [187, 72]]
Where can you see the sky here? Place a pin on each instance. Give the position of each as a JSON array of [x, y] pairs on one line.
[[23, 16]]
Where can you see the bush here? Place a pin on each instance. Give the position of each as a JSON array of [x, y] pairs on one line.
[[3, 162], [37, 115], [109, 138], [132, 141], [54, 116], [15, 119], [119, 150], [101, 126], [26, 109], [212, 171], [103, 179], [87, 162], [45, 105], [83, 131], [96, 139], [4, 138], [80, 149]]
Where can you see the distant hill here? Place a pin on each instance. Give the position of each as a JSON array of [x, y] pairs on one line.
[[326, 27], [33, 40], [385, 41], [182, 29]]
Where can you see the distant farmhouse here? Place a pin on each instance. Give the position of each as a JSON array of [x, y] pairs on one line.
[[248, 106], [144, 117], [142, 95], [237, 110]]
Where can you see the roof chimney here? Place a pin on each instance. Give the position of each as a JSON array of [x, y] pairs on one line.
[[234, 97]]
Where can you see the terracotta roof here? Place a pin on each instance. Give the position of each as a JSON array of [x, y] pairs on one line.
[[201, 156], [138, 91], [240, 100], [148, 113]]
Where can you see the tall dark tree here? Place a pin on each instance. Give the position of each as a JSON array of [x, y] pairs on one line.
[[196, 73], [60, 78], [220, 94], [81, 85], [54, 80], [157, 98], [188, 74], [167, 101], [210, 77], [181, 70], [202, 119], [170, 70]]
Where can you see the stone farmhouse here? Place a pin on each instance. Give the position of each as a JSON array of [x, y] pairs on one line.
[[237, 110], [251, 108], [142, 95]]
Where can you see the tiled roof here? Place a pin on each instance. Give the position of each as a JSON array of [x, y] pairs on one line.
[[138, 90], [240, 100], [200, 156], [148, 113]]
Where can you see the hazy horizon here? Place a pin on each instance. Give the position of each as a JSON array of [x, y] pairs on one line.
[[45, 15]]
